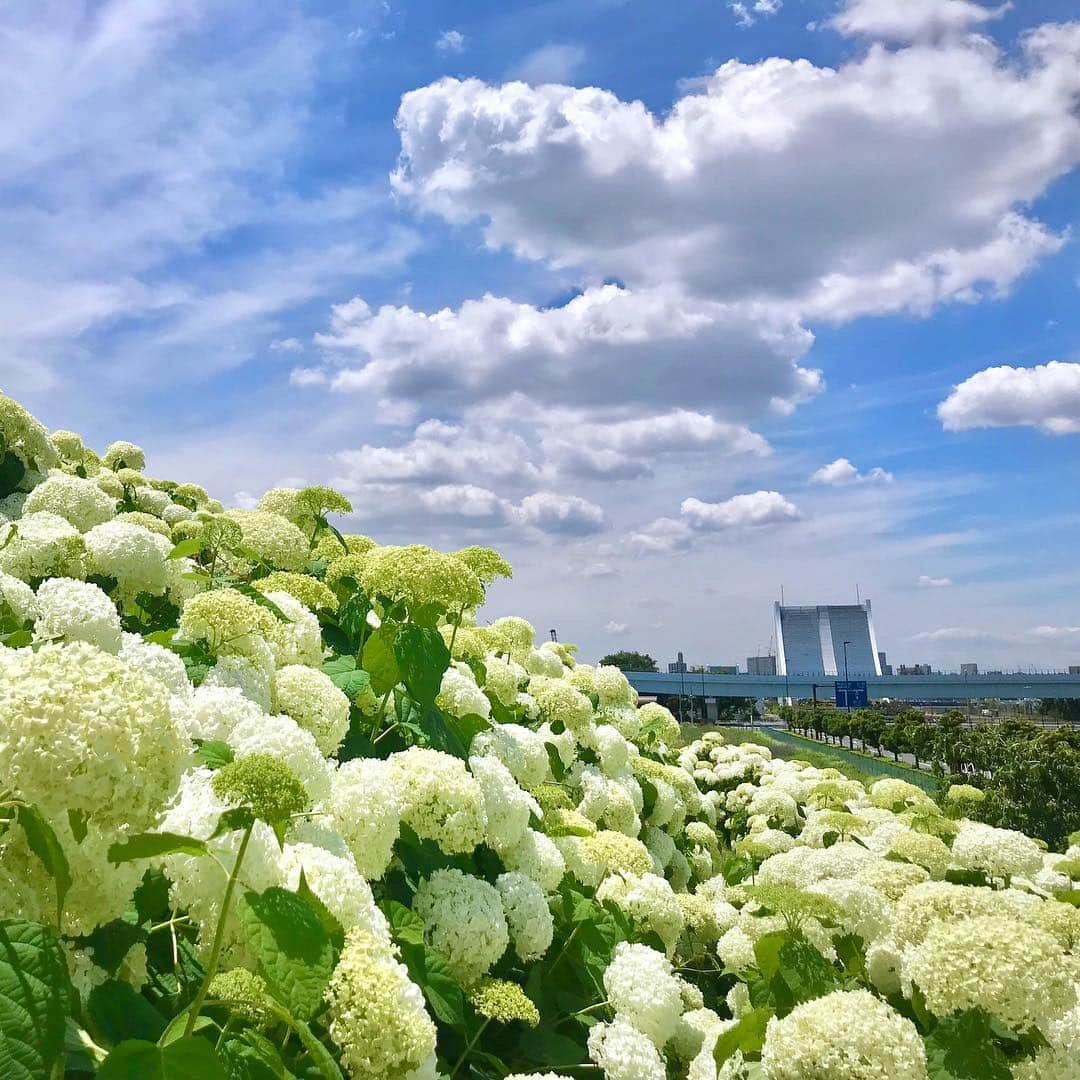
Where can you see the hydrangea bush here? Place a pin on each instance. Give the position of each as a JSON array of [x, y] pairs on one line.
[[274, 802]]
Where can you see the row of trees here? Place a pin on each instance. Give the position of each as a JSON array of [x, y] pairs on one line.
[[1030, 774]]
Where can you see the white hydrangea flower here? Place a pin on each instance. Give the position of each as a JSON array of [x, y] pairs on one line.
[[1013, 971], [18, 596], [544, 662], [459, 695], [643, 991], [245, 674], [440, 799], [218, 710], [70, 610], [519, 748], [463, 921], [506, 806], [282, 737], [502, 677], [736, 950], [528, 916], [158, 663], [365, 806], [624, 1053], [43, 545], [377, 1015], [336, 881], [538, 857], [77, 500], [77, 713], [299, 641], [310, 697], [650, 901], [845, 1035], [132, 554], [999, 853], [862, 909]]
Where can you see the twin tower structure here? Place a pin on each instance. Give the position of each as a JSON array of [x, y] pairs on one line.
[[831, 639]]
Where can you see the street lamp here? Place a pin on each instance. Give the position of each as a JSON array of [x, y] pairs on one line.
[[847, 689]]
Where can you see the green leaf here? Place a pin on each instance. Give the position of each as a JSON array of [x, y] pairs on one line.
[[186, 1059], [186, 549], [152, 845], [118, 1013], [328, 919], [422, 656], [1069, 896], [77, 822], [380, 661], [748, 1035], [805, 971], [432, 974], [44, 844], [12, 470], [214, 753], [263, 601], [111, 942], [346, 676], [35, 996], [963, 1048], [252, 1056], [767, 951], [558, 769], [291, 946], [406, 925]]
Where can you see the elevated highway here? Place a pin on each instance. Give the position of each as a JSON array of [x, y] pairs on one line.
[[896, 687]]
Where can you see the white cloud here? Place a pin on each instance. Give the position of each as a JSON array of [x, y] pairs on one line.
[[913, 20], [745, 14], [450, 41], [740, 511], [959, 634], [661, 536], [893, 182], [1055, 632], [1046, 396], [441, 453], [550, 64], [567, 515], [927, 582], [287, 345], [662, 349], [465, 501], [614, 627], [599, 570], [841, 471]]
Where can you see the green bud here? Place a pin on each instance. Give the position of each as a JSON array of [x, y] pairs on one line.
[[264, 783]]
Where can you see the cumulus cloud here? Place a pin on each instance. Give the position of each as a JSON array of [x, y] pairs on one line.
[[749, 511], [927, 582], [628, 448], [450, 41], [556, 63], [893, 182], [746, 14], [569, 515], [840, 472], [466, 501], [614, 627], [959, 634], [913, 20], [740, 511], [1046, 397], [440, 453], [656, 349]]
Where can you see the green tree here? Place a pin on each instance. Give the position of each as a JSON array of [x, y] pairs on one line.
[[628, 660]]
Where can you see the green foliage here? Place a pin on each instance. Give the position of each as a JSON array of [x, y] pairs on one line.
[[185, 1059], [291, 946], [628, 660]]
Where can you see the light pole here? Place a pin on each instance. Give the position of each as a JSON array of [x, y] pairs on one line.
[[847, 689]]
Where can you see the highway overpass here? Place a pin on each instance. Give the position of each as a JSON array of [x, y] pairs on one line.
[[896, 687]]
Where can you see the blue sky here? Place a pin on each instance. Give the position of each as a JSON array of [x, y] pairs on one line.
[[672, 303]]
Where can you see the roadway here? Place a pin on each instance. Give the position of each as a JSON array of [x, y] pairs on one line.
[[895, 687]]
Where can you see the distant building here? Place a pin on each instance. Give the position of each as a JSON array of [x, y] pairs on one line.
[[761, 665], [678, 667], [826, 639], [969, 669], [915, 669], [1074, 669], [886, 667]]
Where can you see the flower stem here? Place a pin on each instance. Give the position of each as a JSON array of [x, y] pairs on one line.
[[468, 1049], [219, 934]]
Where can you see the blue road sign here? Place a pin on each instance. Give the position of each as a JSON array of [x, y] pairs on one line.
[[851, 694]]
